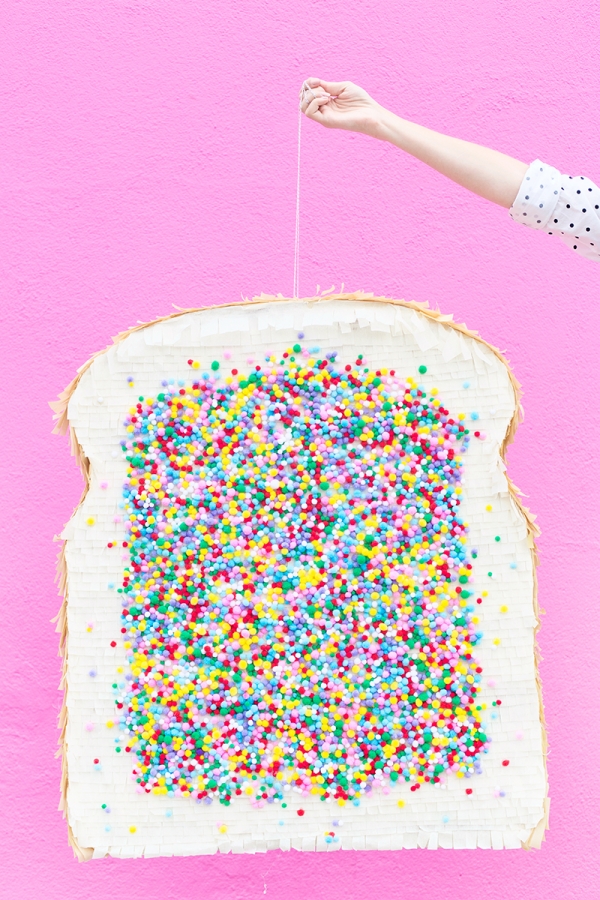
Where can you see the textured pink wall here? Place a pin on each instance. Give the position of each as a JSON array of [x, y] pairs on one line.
[[148, 158]]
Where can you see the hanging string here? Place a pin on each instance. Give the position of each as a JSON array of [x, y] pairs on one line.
[[297, 234], [296, 291]]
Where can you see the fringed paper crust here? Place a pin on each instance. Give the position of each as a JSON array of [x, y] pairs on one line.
[[61, 414]]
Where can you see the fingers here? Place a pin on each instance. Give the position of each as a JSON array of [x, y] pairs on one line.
[[307, 95], [313, 84], [332, 87], [311, 90], [313, 106]]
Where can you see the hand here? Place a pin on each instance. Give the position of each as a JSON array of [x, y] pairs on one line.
[[340, 104]]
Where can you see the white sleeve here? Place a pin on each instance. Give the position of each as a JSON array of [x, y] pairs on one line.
[[560, 204]]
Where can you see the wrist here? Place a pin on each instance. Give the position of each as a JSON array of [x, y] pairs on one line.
[[383, 124]]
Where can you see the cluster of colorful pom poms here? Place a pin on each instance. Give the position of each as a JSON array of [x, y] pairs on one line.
[[296, 602]]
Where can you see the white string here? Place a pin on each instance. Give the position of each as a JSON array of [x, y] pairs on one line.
[[297, 235], [296, 291]]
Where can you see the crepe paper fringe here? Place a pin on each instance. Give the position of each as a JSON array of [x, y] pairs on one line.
[[61, 415]]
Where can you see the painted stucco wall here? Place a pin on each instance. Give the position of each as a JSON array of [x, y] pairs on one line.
[[148, 157]]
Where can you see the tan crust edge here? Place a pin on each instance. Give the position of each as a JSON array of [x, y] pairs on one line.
[[60, 408]]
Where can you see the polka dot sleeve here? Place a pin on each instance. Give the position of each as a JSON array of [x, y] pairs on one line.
[[560, 204]]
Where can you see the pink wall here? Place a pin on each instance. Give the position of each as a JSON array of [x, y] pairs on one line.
[[148, 158]]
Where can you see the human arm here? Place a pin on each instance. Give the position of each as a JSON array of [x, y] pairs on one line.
[[536, 194], [493, 175]]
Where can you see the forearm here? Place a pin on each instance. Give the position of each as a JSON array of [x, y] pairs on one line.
[[486, 172]]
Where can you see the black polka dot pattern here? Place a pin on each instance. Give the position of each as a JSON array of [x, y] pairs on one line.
[[566, 205]]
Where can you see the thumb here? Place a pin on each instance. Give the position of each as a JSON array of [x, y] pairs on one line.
[[332, 87]]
